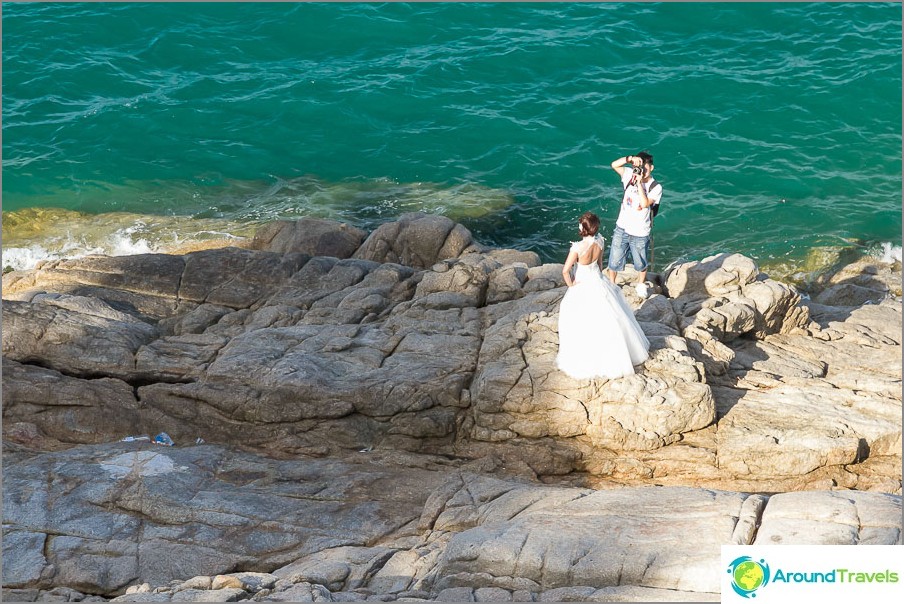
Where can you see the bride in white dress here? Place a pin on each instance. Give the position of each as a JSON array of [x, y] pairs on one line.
[[598, 334]]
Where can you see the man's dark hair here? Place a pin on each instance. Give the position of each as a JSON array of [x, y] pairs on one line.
[[645, 156]]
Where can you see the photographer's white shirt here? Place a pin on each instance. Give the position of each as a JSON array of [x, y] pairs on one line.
[[637, 222]]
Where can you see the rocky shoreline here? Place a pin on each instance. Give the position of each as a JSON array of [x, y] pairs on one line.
[[381, 418]]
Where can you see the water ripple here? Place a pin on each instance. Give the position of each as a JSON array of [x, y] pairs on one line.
[[742, 104]]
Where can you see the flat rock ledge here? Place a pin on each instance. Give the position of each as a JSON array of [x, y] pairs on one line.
[[210, 523], [383, 419]]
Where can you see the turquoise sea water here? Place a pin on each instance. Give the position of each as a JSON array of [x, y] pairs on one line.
[[776, 127]]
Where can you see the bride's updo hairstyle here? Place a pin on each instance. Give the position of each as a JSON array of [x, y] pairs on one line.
[[590, 224]]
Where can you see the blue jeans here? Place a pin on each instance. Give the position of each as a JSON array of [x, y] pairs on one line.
[[618, 250]]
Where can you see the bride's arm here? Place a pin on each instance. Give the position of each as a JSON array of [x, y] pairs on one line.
[[566, 271]]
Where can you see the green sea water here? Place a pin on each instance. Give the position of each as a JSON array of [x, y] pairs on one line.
[[130, 127]]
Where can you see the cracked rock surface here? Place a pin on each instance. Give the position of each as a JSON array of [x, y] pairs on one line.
[[383, 419]]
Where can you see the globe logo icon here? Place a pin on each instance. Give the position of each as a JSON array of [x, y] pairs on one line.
[[748, 575]]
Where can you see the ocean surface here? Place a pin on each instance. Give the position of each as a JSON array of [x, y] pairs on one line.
[[138, 127]]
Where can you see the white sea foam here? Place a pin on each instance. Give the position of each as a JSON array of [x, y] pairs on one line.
[[69, 235], [121, 242], [24, 258], [888, 253]]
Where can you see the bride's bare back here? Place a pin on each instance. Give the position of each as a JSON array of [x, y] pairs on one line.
[[591, 255]]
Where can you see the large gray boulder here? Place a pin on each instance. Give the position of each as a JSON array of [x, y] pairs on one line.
[[799, 403], [70, 409], [416, 240], [865, 281], [310, 236], [72, 338], [517, 390], [723, 297], [146, 285]]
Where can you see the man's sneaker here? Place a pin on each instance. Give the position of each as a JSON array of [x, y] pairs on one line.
[[642, 290]]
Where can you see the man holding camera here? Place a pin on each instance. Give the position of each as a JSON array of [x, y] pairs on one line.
[[635, 219]]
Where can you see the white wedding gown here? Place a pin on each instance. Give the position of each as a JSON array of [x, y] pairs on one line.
[[598, 334]]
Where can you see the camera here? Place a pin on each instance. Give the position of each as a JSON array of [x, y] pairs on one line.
[[637, 170]]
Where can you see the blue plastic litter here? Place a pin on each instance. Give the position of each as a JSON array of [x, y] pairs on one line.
[[164, 439]]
